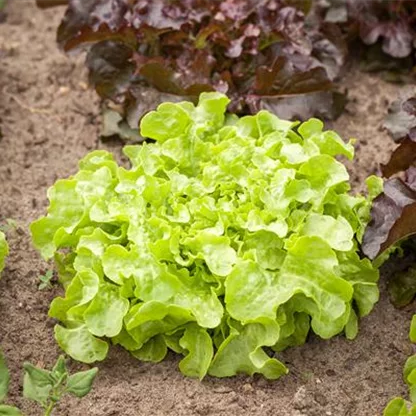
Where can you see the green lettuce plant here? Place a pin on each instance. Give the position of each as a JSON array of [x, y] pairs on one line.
[[226, 240], [399, 406], [4, 250], [46, 387], [42, 386]]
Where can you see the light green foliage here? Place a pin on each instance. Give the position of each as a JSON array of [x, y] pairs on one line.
[[5, 410], [4, 251], [399, 406], [4, 378], [9, 410], [45, 280], [412, 334], [225, 236], [46, 387], [10, 225]]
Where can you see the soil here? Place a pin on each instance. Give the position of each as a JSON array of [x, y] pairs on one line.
[[49, 119]]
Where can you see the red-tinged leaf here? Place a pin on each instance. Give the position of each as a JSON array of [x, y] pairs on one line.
[[397, 36], [203, 35], [289, 23], [387, 27], [196, 69], [327, 105], [394, 212], [266, 76], [237, 10], [410, 177], [44, 4], [402, 157], [284, 79], [248, 49], [401, 119], [304, 5], [402, 288], [161, 77], [410, 106], [393, 218], [87, 37], [166, 80], [110, 69], [391, 23], [90, 16], [330, 49]]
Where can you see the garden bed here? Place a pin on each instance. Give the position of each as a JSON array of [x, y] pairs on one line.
[[49, 119]]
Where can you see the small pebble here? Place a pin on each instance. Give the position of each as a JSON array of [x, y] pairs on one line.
[[247, 387], [63, 90]]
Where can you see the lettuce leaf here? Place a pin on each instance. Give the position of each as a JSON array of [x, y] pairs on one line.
[[399, 406], [227, 240], [393, 214], [4, 251]]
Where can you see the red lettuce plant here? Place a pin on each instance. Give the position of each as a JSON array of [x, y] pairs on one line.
[[263, 54], [386, 29], [394, 211], [391, 22], [279, 55]]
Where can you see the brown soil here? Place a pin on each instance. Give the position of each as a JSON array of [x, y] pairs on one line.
[[49, 120]]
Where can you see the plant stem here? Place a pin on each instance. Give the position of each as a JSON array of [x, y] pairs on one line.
[[49, 409]]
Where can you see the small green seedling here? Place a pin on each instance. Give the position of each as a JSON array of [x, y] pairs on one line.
[[45, 281], [4, 387], [46, 387], [10, 224]]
